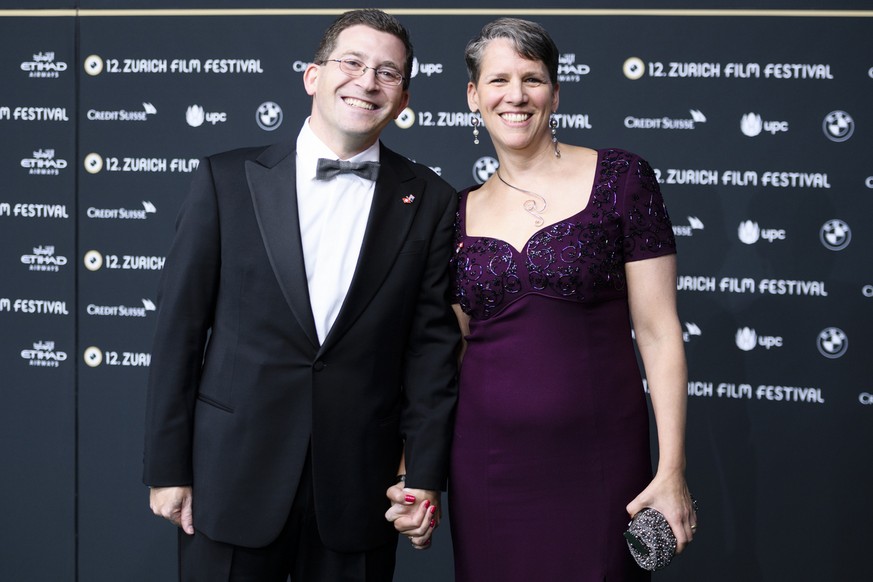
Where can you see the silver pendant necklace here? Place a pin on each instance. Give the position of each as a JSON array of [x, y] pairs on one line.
[[530, 206]]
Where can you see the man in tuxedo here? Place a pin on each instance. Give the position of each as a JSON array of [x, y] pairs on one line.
[[304, 347]]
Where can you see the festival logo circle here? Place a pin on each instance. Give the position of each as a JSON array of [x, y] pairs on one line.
[[406, 119], [93, 163], [93, 65], [93, 260], [93, 356], [634, 68]]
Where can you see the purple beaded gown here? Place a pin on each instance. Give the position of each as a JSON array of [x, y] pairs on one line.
[[551, 439]]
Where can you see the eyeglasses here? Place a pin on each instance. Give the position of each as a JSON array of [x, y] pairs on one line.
[[355, 68]]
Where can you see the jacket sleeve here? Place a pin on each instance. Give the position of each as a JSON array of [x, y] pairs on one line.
[[186, 304], [430, 365]]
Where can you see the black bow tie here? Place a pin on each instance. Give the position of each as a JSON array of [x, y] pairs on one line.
[[327, 169]]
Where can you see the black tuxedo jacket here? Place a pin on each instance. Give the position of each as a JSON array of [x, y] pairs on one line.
[[239, 387]]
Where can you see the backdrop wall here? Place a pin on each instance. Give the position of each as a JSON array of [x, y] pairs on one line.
[[758, 123]]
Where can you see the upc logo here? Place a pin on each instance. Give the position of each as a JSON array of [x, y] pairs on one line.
[[751, 124], [195, 116], [425, 68], [749, 232], [747, 339]]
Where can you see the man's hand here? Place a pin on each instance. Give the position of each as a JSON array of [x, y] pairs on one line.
[[173, 504], [415, 513]]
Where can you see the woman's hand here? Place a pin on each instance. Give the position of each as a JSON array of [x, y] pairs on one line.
[[669, 495], [414, 513]]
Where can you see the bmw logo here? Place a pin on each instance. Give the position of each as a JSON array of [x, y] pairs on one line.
[[832, 342], [838, 126], [484, 168], [269, 116], [835, 234]]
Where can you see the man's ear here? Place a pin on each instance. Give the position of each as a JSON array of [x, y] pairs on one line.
[[310, 78], [404, 101]]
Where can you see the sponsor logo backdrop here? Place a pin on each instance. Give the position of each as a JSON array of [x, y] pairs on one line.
[[757, 126]]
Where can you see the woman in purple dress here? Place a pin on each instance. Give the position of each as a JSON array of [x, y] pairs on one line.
[[555, 254]]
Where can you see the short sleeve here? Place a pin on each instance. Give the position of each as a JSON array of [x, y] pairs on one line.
[[646, 226]]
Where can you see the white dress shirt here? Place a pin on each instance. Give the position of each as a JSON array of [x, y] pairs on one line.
[[333, 216]]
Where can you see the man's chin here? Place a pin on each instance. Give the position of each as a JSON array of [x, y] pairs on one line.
[[366, 130]]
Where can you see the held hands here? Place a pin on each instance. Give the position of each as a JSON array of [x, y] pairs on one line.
[[669, 495], [415, 513], [173, 504]]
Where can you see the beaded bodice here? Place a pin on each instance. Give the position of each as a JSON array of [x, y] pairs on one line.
[[580, 258]]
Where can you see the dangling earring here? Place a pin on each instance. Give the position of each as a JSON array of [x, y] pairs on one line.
[[475, 122], [553, 123]]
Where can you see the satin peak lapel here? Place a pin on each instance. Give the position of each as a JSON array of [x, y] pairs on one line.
[[387, 227], [272, 182]]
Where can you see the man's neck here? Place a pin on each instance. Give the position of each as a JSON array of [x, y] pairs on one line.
[[341, 144]]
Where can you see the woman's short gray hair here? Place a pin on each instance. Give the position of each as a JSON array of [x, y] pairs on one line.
[[530, 39]]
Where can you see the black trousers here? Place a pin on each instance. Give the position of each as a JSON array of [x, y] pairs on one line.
[[298, 552]]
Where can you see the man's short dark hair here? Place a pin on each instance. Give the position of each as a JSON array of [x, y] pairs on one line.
[[375, 19]]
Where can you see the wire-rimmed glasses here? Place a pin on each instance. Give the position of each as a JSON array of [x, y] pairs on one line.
[[387, 76]]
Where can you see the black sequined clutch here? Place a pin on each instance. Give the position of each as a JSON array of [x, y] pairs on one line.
[[650, 539]]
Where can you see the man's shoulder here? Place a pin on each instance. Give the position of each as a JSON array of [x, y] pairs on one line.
[[266, 154]]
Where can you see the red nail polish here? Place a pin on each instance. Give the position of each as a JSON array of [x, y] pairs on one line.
[[427, 543], [433, 510], [410, 498], [432, 523], [426, 503]]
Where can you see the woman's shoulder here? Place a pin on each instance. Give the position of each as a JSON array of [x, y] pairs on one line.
[[626, 162], [619, 154], [576, 153], [462, 194]]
